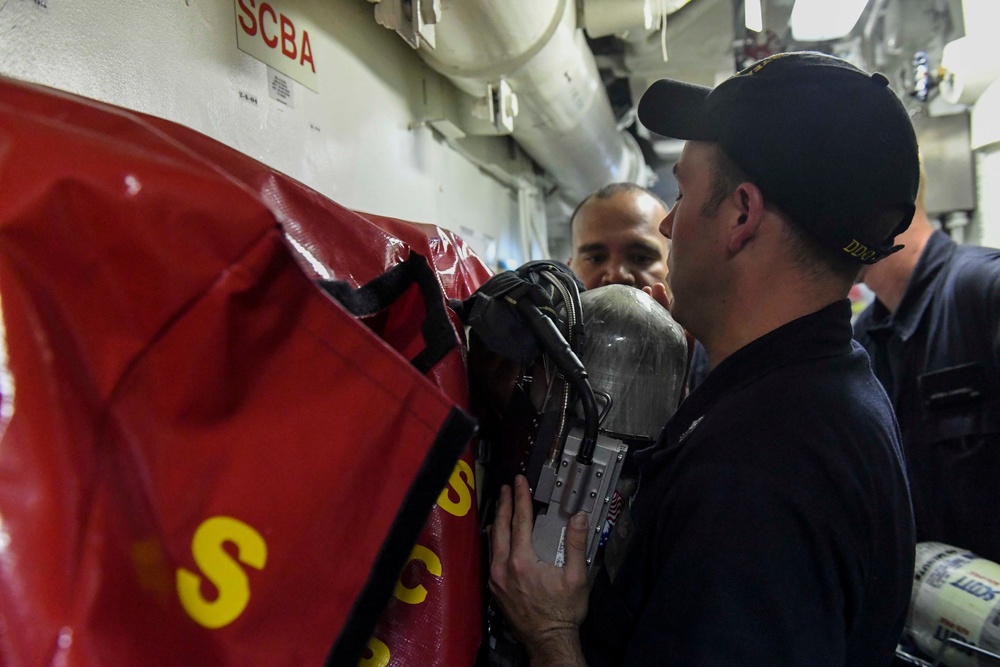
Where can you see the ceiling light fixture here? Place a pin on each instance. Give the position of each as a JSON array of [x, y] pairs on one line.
[[823, 20], [753, 18]]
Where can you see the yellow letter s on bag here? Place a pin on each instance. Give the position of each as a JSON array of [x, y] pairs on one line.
[[462, 489], [218, 566]]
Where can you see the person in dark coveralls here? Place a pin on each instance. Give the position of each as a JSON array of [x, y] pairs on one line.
[[772, 525], [933, 334]]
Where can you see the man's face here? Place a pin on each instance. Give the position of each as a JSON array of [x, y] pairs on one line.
[[695, 272], [616, 241]]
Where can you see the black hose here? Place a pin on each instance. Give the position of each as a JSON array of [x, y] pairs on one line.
[[555, 345]]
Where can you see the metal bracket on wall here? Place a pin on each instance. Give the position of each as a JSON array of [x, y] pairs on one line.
[[413, 19], [456, 114], [498, 107]]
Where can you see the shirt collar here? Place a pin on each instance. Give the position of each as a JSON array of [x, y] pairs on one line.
[[819, 334], [918, 292]]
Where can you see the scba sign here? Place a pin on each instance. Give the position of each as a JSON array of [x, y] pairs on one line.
[[278, 37]]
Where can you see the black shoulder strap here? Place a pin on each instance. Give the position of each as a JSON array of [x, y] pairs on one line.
[[380, 293]]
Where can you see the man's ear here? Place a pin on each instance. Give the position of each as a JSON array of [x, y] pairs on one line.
[[748, 203]]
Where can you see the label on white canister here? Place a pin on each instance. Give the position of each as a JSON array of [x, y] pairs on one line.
[[955, 594]]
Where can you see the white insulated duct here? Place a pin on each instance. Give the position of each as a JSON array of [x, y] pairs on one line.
[[609, 17], [565, 120]]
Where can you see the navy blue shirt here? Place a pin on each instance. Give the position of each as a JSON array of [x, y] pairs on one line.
[[939, 359], [698, 370], [772, 525]]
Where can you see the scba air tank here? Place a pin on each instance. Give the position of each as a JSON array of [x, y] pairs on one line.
[[956, 595]]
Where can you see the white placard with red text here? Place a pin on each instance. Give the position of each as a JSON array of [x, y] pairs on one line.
[[279, 36]]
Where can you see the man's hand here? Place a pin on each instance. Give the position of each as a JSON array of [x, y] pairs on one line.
[[660, 294], [545, 604], [664, 298]]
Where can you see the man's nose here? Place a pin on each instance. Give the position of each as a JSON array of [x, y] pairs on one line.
[[618, 273], [667, 224]]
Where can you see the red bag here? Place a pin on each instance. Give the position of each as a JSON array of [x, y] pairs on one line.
[[434, 616], [203, 458]]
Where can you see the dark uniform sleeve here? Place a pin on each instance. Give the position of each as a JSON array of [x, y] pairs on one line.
[[753, 574]]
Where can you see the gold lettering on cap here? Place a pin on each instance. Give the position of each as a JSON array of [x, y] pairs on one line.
[[759, 65], [857, 249]]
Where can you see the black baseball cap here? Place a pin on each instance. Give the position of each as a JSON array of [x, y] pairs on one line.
[[828, 143]]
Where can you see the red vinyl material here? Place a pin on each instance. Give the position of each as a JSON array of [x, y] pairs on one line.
[[202, 455]]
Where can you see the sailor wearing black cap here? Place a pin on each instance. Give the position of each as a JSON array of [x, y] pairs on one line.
[[772, 524]]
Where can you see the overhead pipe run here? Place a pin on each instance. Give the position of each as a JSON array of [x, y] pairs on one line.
[[625, 18], [564, 122], [612, 17]]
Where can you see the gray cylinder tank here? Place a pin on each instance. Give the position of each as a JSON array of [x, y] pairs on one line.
[[635, 351]]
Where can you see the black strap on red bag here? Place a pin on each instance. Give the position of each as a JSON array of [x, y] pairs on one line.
[[381, 293], [371, 303], [455, 433]]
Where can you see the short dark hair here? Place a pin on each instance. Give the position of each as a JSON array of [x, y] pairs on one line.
[[611, 190], [810, 253], [726, 176]]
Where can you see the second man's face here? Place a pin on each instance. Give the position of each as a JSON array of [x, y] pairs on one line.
[[616, 241]]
